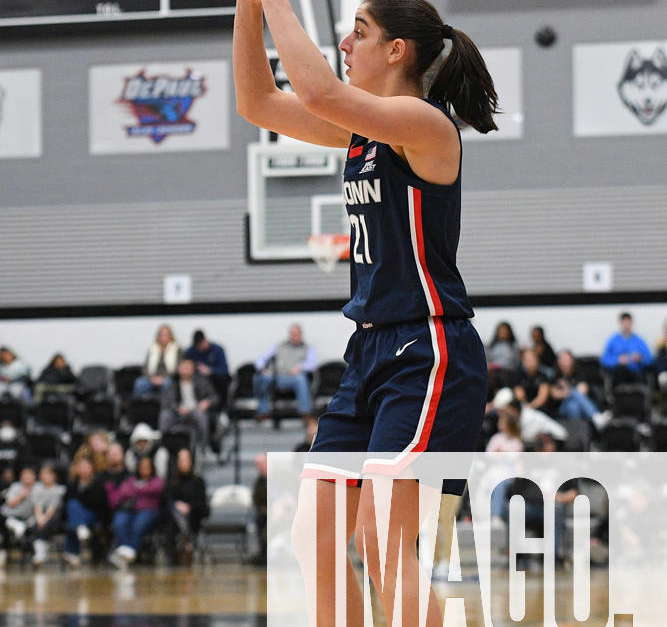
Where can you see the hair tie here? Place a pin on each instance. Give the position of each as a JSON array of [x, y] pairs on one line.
[[447, 31]]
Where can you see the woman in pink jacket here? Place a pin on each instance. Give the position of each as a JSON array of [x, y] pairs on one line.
[[136, 503]]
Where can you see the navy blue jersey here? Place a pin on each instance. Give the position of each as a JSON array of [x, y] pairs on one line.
[[404, 237]]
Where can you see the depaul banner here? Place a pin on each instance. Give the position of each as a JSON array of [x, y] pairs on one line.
[[159, 107]]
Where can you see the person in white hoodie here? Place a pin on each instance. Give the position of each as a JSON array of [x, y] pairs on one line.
[[533, 421], [145, 442]]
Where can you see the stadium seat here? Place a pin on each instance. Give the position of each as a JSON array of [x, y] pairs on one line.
[[231, 514], [145, 409], [99, 412], [55, 411], [243, 404], [94, 379], [631, 400], [325, 383], [620, 434], [12, 410], [124, 379]]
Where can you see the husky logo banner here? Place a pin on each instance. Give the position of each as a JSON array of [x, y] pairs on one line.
[[159, 107], [643, 86], [620, 89]]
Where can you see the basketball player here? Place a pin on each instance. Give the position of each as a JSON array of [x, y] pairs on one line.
[[416, 375]]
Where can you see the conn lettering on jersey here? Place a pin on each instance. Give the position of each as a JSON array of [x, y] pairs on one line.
[[362, 192]]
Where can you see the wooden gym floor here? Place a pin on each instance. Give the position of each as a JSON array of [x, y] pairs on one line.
[[228, 595]]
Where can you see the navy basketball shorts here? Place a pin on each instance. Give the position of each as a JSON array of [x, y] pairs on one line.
[[409, 388]]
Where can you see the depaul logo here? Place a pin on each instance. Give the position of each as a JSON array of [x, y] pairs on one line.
[[161, 104]]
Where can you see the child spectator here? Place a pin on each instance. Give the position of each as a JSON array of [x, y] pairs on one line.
[[17, 513], [47, 497], [85, 505], [145, 442], [161, 363], [136, 503], [188, 506]]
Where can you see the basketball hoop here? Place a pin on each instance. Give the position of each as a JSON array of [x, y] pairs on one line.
[[328, 248]]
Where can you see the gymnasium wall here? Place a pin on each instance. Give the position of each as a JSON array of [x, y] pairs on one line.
[[118, 341], [103, 230]]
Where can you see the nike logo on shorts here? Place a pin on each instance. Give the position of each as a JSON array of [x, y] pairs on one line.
[[401, 350]]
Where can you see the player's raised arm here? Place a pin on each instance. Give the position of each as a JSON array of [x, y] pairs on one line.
[[381, 65], [258, 100]]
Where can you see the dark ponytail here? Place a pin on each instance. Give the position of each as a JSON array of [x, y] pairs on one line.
[[463, 82]]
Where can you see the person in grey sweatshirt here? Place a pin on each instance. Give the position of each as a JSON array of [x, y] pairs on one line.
[[287, 366]]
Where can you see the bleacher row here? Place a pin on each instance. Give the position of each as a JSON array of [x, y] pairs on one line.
[[638, 410], [55, 425]]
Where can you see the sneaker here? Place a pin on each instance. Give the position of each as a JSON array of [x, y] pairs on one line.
[[17, 527], [72, 560], [83, 533], [41, 552], [127, 553], [118, 560], [3, 558]]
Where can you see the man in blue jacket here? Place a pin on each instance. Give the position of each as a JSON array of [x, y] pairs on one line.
[[210, 361], [626, 355]]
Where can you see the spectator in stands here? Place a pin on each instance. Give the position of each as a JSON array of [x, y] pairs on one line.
[[506, 440], [95, 448], [569, 395], [17, 513], [14, 375], [661, 359], [187, 401], [136, 504], [56, 378], [188, 506], [626, 355], [161, 363], [259, 499], [533, 422], [534, 500], [47, 498], [6, 479], [287, 365], [545, 353], [503, 351], [85, 503], [210, 361], [146, 442], [115, 472], [533, 387]]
